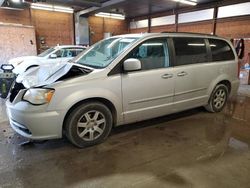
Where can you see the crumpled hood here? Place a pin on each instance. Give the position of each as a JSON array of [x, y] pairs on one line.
[[22, 67], [19, 60], [48, 73]]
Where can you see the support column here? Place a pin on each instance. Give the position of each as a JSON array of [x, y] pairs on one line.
[[176, 22], [82, 34], [149, 24], [215, 20]]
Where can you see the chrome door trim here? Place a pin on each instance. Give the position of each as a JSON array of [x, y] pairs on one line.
[[190, 91], [150, 99]]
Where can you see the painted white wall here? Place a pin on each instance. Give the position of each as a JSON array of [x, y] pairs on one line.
[[234, 10], [139, 24], [165, 20], [195, 16]]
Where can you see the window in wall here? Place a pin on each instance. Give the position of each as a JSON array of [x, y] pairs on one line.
[[190, 50], [139, 24], [165, 20], [221, 51], [234, 10], [195, 16], [152, 53]]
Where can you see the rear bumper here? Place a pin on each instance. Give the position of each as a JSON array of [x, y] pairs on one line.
[[234, 87]]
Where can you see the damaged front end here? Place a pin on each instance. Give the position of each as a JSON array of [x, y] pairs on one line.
[[39, 77]]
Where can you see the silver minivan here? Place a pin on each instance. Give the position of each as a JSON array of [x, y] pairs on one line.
[[120, 80]]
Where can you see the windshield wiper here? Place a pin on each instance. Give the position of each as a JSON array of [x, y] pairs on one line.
[[91, 66]]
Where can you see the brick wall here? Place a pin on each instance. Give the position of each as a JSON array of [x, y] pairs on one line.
[[236, 28], [15, 16], [139, 30], [166, 28], [197, 27], [99, 26], [16, 41], [55, 27]]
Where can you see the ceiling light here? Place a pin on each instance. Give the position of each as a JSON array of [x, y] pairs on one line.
[[16, 1], [49, 7], [110, 15], [196, 44], [188, 2]]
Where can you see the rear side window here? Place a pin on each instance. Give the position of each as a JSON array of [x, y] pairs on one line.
[[221, 51], [190, 50]]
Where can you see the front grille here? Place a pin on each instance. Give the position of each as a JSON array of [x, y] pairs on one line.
[[15, 90]]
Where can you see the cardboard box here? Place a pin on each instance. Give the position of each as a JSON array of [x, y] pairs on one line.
[[244, 76]]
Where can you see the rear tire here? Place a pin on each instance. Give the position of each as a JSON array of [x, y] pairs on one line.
[[217, 99], [88, 124]]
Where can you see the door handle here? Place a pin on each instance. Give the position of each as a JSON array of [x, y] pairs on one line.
[[166, 76], [183, 73]]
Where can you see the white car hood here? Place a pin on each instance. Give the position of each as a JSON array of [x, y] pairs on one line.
[[48, 73], [21, 68], [18, 60]]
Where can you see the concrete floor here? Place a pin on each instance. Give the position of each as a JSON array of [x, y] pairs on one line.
[[190, 149]]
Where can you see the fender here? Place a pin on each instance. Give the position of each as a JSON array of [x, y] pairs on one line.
[[69, 96]]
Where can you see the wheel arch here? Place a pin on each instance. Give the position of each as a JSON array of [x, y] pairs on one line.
[[226, 83], [104, 101], [222, 79]]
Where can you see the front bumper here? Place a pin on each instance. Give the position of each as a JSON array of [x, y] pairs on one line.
[[34, 122]]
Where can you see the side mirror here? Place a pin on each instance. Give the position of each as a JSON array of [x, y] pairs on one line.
[[131, 65], [53, 56]]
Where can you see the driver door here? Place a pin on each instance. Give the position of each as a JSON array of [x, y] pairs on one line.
[[149, 92]]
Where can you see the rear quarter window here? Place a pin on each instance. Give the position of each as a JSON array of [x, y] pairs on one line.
[[190, 50], [221, 50]]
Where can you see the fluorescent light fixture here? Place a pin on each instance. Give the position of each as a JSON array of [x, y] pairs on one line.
[[110, 15], [16, 1], [188, 2], [196, 44], [152, 44], [49, 7]]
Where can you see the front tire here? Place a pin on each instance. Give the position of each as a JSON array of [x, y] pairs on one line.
[[88, 124], [218, 99]]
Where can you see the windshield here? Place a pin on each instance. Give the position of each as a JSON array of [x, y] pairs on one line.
[[46, 52], [104, 52]]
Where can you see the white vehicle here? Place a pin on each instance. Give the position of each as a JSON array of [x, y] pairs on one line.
[[57, 54], [120, 80]]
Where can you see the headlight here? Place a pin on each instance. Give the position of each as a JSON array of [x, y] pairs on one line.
[[38, 96]]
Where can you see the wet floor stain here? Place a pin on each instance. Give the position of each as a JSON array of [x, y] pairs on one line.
[[189, 149]]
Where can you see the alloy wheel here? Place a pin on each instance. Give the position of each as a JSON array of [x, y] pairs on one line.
[[219, 98], [91, 125]]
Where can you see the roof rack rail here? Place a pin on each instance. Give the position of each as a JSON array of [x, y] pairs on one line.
[[189, 33]]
